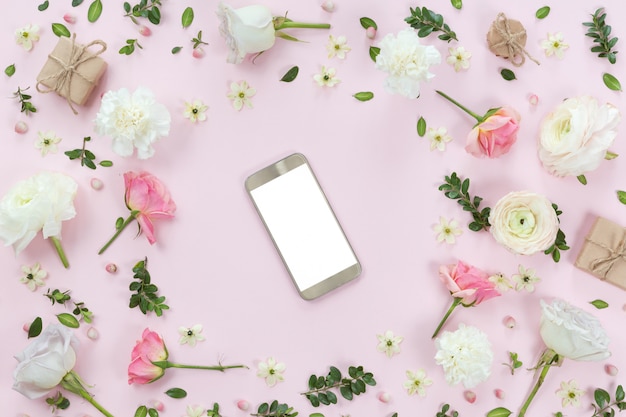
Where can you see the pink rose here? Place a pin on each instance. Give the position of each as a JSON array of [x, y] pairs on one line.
[[494, 136], [468, 283], [147, 351]]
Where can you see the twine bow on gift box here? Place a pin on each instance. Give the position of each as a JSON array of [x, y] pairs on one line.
[[514, 41], [63, 78], [603, 266]]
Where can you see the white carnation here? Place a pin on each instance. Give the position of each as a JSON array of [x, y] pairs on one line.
[[407, 61], [133, 121]]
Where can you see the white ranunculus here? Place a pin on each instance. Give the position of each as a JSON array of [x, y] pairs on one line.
[[465, 355], [524, 222], [573, 333], [575, 137], [406, 61], [44, 363], [133, 121], [41, 202], [247, 30]]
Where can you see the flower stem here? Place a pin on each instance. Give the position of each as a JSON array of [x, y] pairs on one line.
[[57, 245], [478, 118], [454, 304], [221, 368], [548, 359], [72, 383], [288, 25], [117, 233]]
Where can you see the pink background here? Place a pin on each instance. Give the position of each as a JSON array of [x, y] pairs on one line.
[[214, 261]]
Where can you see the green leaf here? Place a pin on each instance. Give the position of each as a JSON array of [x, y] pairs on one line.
[[364, 95], [366, 22], [457, 4], [95, 10], [290, 75], [599, 304], [34, 329], [176, 393], [10, 70], [602, 397], [152, 412], [346, 392], [610, 155], [106, 163], [621, 196], [335, 373], [507, 74], [543, 12], [316, 415], [43, 6], [312, 382], [374, 52], [421, 127], [76, 3], [142, 411], [59, 29], [611, 82], [499, 412], [187, 17], [68, 320], [176, 49], [582, 179]]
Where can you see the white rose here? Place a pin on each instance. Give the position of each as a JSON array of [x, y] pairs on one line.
[[247, 30], [44, 363], [572, 332], [575, 137], [407, 61], [524, 222], [41, 202]]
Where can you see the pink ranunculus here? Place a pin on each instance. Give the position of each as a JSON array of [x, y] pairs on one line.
[[495, 135], [146, 195], [468, 283], [147, 351]]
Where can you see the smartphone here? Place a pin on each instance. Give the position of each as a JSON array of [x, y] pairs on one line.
[[303, 226]]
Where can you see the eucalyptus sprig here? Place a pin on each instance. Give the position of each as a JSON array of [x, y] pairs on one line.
[[600, 32], [145, 296], [457, 189], [275, 409], [58, 402], [129, 48], [603, 406], [80, 311], [514, 362], [86, 156], [559, 243], [444, 412], [145, 8], [320, 387], [26, 106], [426, 22]]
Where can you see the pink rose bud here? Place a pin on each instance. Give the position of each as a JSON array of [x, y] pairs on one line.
[[470, 396], [145, 30], [243, 405], [509, 322], [92, 333], [611, 369], [197, 53], [328, 6], [499, 394], [533, 99], [370, 32], [21, 127], [69, 18], [96, 184], [26, 327], [384, 397], [111, 268], [158, 405]]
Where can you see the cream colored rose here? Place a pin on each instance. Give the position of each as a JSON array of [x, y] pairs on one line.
[[524, 222], [575, 137]]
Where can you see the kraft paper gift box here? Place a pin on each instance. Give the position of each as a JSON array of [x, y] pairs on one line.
[[604, 252], [72, 70]]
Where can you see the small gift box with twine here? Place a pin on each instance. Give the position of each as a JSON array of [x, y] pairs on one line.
[[72, 71], [604, 252], [507, 38]]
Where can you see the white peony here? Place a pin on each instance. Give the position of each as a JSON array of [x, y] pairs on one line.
[[524, 222], [573, 333], [465, 355], [247, 30], [575, 137], [41, 202], [133, 121], [406, 61]]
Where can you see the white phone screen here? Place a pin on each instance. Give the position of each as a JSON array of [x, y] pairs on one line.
[[303, 227]]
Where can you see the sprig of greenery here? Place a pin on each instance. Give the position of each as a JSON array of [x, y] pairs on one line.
[[86, 156], [145, 292], [148, 9], [514, 362], [456, 189], [426, 22], [58, 402], [80, 311], [320, 387], [274, 409], [26, 106], [197, 41], [129, 48], [603, 407], [559, 243], [215, 411], [444, 411], [144, 411], [600, 32]]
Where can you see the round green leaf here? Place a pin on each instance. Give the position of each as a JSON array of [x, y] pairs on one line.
[[176, 49], [68, 320], [43, 6], [10, 70], [366, 22], [507, 74], [421, 127], [34, 329], [290, 75], [95, 10], [457, 4], [316, 415], [106, 163], [59, 29], [611, 82], [599, 304], [499, 412], [543, 12], [374, 51], [76, 3], [142, 411], [582, 179], [176, 393], [187, 18], [364, 96], [621, 196]]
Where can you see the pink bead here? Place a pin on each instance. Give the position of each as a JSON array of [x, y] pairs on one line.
[[370, 32], [509, 322], [26, 327], [243, 405], [533, 99], [384, 397], [69, 18], [328, 6], [611, 369], [145, 30], [499, 394], [96, 184], [158, 405], [197, 53], [21, 127], [92, 333], [111, 268], [470, 396]]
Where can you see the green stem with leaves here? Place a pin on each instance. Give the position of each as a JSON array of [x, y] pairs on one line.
[[456, 301], [73, 383], [129, 219]]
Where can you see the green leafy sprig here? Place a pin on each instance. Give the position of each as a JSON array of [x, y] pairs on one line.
[[129, 48], [80, 311], [320, 387], [426, 21], [215, 411], [86, 156], [514, 362], [145, 411], [603, 407], [275, 409], [600, 32], [444, 412], [58, 402], [559, 243], [148, 9], [197, 41], [457, 189], [26, 106], [145, 296]]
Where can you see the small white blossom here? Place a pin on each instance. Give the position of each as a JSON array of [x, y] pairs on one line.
[[33, 276], [526, 279], [417, 382], [190, 335], [195, 111], [47, 142], [272, 371], [196, 411], [570, 394], [389, 343], [554, 45], [501, 282], [459, 58], [240, 94], [438, 138], [337, 47], [327, 77], [447, 231], [26, 36]]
